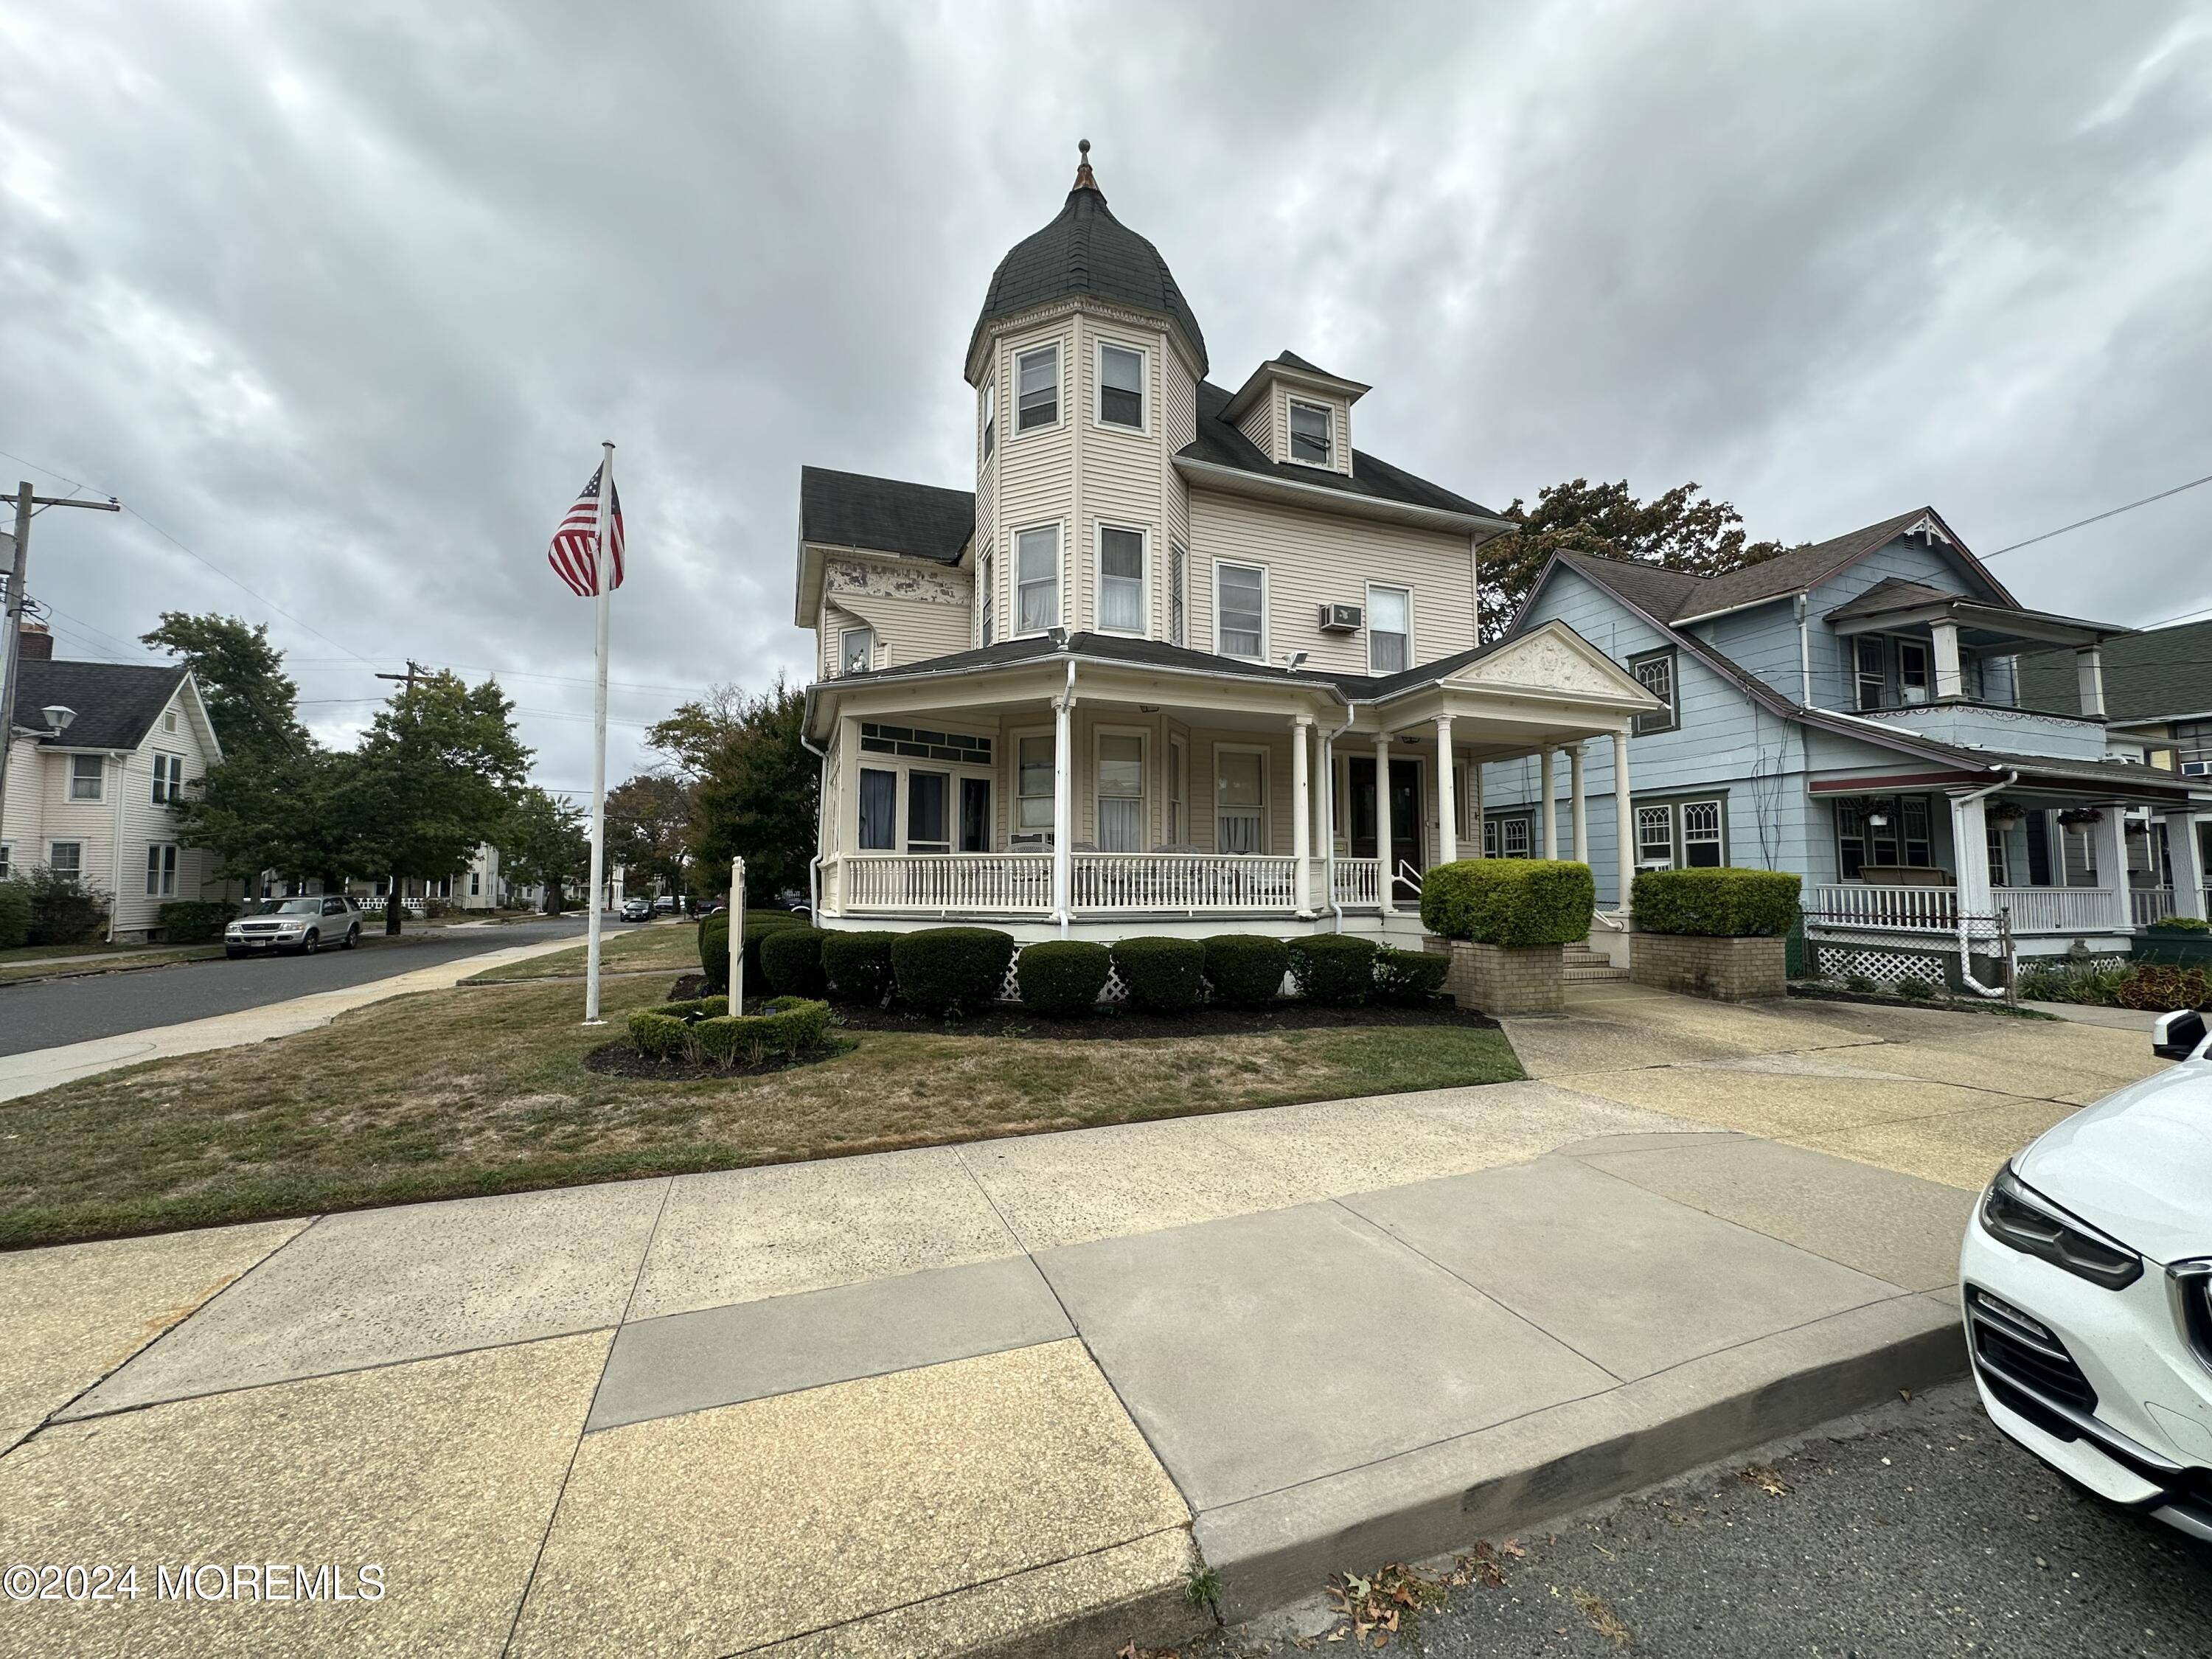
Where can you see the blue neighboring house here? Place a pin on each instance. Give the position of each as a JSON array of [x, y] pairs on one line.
[[1850, 711]]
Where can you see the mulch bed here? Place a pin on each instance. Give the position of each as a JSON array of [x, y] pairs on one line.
[[1108, 1024], [619, 1059], [1941, 1005]]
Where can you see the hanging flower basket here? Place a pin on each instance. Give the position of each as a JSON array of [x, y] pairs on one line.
[[2074, 816], [2004, 811], [2137, 827]]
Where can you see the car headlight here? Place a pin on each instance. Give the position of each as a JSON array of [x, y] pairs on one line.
[[2015, 1214]]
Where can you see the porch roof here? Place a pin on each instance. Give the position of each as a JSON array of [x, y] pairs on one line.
[[1899, 600], [2108, 779]]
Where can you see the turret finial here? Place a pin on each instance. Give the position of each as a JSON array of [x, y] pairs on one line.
[[1084, 179]]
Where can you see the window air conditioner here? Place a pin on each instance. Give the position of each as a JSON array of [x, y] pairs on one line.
[[1030, 841], [1339, 619], [2199, 768]]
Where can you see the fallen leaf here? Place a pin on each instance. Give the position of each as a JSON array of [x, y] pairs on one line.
[[1603, 1618]]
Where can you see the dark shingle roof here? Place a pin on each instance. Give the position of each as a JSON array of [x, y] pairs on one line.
[[2160, 674], [1892, 593], [1086, 250], [116, 704], [1220, 444], [1291, 360], [885, 515]]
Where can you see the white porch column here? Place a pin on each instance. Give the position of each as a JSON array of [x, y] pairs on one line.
[[1447, 790], [1624, 819], [1063, 807], [2183, 853], [845, 828], [1302, 811], [2110, 838], [1383, 820], [1970, 855], [1949, 681], [2089, 678], [1581, 804], [1551, 808]]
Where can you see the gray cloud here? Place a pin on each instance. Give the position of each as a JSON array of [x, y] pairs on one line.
[[344, 297]]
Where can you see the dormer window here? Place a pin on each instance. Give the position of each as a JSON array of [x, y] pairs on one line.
[[990, 418], [1121, 387], [1309, 433], [1038, 373]]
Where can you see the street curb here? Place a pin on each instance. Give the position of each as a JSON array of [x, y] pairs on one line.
[[1276, 1548]]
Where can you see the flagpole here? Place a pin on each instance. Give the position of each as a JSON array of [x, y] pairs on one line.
[[603, 569]]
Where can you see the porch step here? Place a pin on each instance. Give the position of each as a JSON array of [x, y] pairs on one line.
[[1580, 962]]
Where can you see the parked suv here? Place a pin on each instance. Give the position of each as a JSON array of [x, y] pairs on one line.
[[301, 925]]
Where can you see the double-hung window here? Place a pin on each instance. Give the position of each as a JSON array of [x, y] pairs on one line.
[[1120, 580], [1701, 835], [1121, 387], [168, 778], [161, 870], [1239, 800], [1175, 794], [878, 810], [1911, 673], [1870, 673], [990, 417], [1310, 434], [1033, 780], [85, 774], [1655, 837], [1121, 793], [7, 861], [65, 858], [1504, 838], [1037, 375], [1240, 610], [1654, 672], [987, 583], [1175, 561], [1389, 629], [1036, 578], [856, 650]]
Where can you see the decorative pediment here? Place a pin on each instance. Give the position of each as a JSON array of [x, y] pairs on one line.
[[1925, 525], [900, 581], [1543, 661]]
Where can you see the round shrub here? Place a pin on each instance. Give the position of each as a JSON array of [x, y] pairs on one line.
[[1335, 971], [857, 966], [1409, 978], [15, 916], [1913, 988], [791, 961], [715, 942], [950, 971], [1245, 971], [1062, 978], [2158, 988], [1162, 976], [1719, 904], [1513, 904]]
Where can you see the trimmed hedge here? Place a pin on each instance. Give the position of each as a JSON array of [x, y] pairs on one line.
[[793, 1025], [15, 916], [1245, 971], [1719, 904], [1162, 976], [1409, 978], [791, 961], [1334, 970], [2180, 925], [194, 922], [951, 970], [857, 966], [715, 942], [1062, 977], [1513, 904]]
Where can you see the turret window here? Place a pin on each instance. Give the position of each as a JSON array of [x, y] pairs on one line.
[[990, 418], [1121, 387], [1036, 578], [1120, 580], [1310, 434], [1039, 375]]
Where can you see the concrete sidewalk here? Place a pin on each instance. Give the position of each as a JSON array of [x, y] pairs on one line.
[[1002, 1394], [29, 1073]]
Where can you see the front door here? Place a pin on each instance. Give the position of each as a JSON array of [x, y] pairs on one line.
[[1405, 815]]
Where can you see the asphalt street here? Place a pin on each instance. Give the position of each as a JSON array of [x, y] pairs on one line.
[[1929, 1533], [45, 1013]]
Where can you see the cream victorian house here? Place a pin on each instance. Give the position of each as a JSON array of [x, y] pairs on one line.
[[1184, 654]]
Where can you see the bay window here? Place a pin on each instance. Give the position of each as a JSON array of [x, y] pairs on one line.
[[878, 811], [1121, 793], [1038, 389], [1036, 578], [1033, 785], [1120, 580], [1121, 387]]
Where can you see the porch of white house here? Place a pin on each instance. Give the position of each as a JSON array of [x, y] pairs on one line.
[[1125, 814]]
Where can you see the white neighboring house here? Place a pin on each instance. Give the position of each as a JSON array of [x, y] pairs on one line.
[[94, 795]]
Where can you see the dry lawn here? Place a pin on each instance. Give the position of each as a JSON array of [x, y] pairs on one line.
[[483, 1090], [667, 946]]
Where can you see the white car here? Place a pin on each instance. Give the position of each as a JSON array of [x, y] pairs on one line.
[[2087, 1280], [302, 925]]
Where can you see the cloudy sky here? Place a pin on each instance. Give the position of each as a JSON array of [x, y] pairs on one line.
[[343, 297]]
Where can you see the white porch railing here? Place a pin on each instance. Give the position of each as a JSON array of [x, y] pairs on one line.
[[2059, 909], [946, 883], [2150, 904], [1358, 882], [1184, 881], [1935, 909], [1020, 883], [1851, 904]]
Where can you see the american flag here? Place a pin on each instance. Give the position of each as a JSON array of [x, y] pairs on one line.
[[577, 540]]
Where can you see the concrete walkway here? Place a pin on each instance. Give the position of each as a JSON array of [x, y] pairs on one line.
[[29, 1073]]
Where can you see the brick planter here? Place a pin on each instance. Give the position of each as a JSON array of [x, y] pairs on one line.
[[1492, 981], [1726, 969]]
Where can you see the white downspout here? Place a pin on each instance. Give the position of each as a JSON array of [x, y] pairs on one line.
[[1958, 801], [821, 803], [1804, 656]]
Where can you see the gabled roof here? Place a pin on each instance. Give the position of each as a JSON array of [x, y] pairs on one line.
[[1892, 593], [116, 704], [1220, 444], [1291, 360], [2161, 673], [884, 515]]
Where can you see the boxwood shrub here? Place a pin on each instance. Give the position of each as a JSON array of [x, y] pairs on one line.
[[2180, 925], [1245, 971], [1513, 904], [1409, 978], [1335, 971], [793, 1025], [791, 961], [715, 942], [950, 971], [1721, 903], [857, 966], [1062, 977], [1162, 976]]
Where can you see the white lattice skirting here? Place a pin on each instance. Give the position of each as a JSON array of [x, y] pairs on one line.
[[1009, 989]]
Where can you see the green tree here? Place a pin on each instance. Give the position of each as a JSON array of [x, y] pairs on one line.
[[544, 839], [267, 809], [1681, 530], [251, 703], [755, 785], [437, 773], [648, 818]]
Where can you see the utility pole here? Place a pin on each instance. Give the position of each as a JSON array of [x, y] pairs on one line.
[[394, 902], [19, 575]]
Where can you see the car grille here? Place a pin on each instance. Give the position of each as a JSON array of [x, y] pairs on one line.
[[260, 926], [2028, 1357], [2193, 1287]]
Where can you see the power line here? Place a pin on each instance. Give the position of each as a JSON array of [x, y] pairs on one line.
[[2099, 518]]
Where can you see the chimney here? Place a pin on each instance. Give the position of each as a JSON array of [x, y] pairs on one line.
[[34, 642]]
